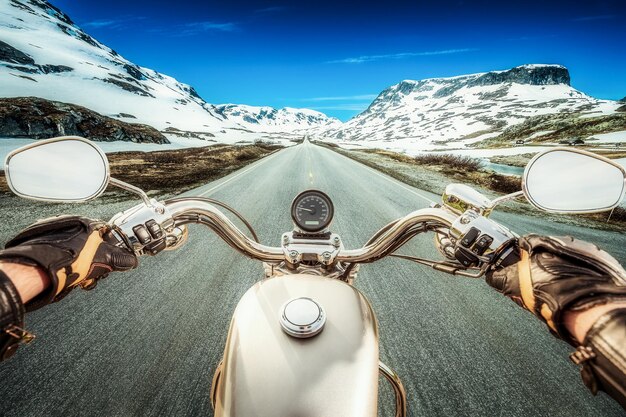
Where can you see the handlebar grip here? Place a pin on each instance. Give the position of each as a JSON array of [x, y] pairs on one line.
[[114, 236], [148, 238], [509, 256]]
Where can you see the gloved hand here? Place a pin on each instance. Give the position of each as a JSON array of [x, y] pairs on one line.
[[72, 250], [557, 274]]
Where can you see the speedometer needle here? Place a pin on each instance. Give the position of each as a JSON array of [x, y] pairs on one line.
[[306, 209]]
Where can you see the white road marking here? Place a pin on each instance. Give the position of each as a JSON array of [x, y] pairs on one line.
[[264, 160]]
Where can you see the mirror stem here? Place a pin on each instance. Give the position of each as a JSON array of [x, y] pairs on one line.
[[497, 201], [132, 189]]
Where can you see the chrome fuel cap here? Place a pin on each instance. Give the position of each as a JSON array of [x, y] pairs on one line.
[[302, 317]]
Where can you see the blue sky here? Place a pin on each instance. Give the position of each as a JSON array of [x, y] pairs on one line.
[[335, 56]]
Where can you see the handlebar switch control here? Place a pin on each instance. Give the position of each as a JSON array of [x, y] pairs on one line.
[[465, 257], [155, 229], [155, 247], [470, 237], [142, 234], [482, 244]]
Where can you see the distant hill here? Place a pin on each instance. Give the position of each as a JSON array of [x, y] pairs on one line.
[[269, 119], [530, 103]]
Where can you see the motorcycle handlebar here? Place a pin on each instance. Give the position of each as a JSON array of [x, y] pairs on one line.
[[197, 210], [397, 234]]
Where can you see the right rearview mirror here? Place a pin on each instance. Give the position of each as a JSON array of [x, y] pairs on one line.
[[573, 181]]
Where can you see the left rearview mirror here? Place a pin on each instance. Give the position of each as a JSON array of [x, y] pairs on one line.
[[65, 169]]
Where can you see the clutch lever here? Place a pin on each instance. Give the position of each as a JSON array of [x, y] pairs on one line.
[[147, 230]]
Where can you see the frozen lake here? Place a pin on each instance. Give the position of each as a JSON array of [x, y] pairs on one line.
[[502, 169]]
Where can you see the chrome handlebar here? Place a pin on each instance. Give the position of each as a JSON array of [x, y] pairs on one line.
[[386, 243], [194, 210], [174, 215], [469, 240]]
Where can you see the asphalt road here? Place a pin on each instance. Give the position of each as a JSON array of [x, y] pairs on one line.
[[147, 342]]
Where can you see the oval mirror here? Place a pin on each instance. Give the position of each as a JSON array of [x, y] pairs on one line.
[[66, 169], [573, 181]]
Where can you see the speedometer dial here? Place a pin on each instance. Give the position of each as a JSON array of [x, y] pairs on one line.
[[312, 211]]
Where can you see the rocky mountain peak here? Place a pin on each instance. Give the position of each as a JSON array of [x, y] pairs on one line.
[[37, 118], [525, 74], [534, 74]]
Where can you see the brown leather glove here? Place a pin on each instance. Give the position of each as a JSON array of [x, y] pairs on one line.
[[74, 251], [556, 274]]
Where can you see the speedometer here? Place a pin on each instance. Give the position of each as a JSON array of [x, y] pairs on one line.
[[312, 211]]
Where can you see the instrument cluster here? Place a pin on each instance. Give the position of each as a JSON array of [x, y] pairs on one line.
[[312, 211]]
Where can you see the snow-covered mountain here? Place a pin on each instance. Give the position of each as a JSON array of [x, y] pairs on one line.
[[269, 119], [460, 110], [44, 54]]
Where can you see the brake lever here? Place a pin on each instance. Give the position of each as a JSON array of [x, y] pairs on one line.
[[449, 268]]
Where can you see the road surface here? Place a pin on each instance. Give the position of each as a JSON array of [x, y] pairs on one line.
[[147, 342]]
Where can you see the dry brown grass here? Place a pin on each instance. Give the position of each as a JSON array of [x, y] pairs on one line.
[[180, 170], [462, 168], [4, 188], [617, 215], [504, 184], [449, 160]]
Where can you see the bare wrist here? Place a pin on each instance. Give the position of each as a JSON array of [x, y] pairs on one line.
[[578, 323], [29, 281]]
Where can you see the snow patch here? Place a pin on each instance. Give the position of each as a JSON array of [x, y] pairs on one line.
[[614, 137]]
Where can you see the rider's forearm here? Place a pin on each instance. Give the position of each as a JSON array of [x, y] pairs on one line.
[[601, 332], [18, 284], [579, 322], [29, 281]]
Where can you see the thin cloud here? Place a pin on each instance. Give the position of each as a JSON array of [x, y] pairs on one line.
[[401, 55], [101, 23], [591, 18], [112, 23], [343, 98], [531, 37], [272, 9], [195, 28]]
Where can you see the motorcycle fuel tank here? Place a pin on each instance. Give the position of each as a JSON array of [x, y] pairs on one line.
[[268, 372]]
